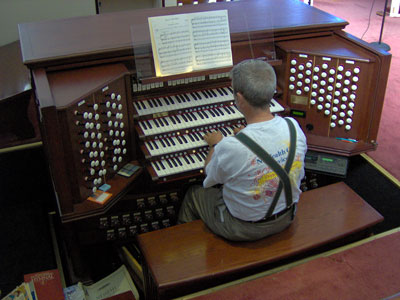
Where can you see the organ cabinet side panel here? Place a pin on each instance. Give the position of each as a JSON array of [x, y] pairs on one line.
[[91, 132], [330, 86]]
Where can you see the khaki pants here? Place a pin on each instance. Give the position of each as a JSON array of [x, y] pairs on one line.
[[208, 205]]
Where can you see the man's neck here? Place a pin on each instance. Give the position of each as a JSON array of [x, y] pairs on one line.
[[257, 116]]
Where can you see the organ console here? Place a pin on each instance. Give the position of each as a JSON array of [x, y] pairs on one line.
[[98, 112]]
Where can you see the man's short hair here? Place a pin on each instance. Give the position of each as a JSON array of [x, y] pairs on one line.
[[256, 80]]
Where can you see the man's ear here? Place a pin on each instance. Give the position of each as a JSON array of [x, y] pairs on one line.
[[240, 98]]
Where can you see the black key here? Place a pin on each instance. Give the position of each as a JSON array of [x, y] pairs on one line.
[[163, 144], [166, 100], [220, 111], [198, 96], [191, 159], [154, 102], [212, 113], [186, 97], [194, 96], [157, 167], [172, 141], [231, 109], [224, 91], [176, 119], [174, 162], [171, 100], [189, 117], [205, 94], [148, 124], [191, 137], [156, 122], [184, 118], [144, 125], [193, 116], [169, 163], [227, 110], [162, 165], [155, 144], [151, 146], [179, 139], [223, 131], [199, 157], [220, 91], [206, 114], [159, 102], [213, 93], [167, 142], [184, 139], [186, 159], [178, 159]]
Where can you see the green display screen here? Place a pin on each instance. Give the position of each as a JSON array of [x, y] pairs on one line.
[[298, 113], [327, 159]]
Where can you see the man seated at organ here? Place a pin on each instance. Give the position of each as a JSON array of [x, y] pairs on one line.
[[247, 196]]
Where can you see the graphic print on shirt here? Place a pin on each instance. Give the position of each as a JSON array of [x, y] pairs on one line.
[[266, 181]]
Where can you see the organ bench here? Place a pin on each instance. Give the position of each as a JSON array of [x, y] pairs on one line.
[[186, 258]]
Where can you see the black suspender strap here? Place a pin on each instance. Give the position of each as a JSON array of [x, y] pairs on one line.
[[270, 161]]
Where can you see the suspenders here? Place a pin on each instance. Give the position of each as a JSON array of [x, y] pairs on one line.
[[282, 173]]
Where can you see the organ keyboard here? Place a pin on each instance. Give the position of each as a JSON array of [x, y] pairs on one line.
[[171, 128]]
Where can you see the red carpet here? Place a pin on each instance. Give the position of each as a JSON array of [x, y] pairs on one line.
[[369, 271], [357, 13]]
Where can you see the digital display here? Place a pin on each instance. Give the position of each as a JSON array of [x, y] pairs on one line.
[[298, 113], [327, 159]]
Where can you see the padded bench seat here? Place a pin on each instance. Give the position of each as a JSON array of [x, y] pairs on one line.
[[180, 259]]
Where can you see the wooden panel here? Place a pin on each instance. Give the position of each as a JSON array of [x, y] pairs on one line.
[[19, 124], [331, 85], [109, 35], [190, 253]]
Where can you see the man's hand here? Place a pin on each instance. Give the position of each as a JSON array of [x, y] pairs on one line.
[[213, 138], [236, 130]]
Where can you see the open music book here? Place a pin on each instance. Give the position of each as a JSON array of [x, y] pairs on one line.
[[190, 42]]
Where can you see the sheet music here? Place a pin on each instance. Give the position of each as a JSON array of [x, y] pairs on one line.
[[188, 42], [211, 39]]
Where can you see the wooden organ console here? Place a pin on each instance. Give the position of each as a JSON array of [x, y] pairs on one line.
[[99, 114]]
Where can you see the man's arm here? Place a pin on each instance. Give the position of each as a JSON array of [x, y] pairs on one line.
[[212, 139], [209, 155]]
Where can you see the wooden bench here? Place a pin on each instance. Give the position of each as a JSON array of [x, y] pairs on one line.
[[188, 257]]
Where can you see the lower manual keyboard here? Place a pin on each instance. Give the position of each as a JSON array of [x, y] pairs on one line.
[[184, 142], [179, 164]]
